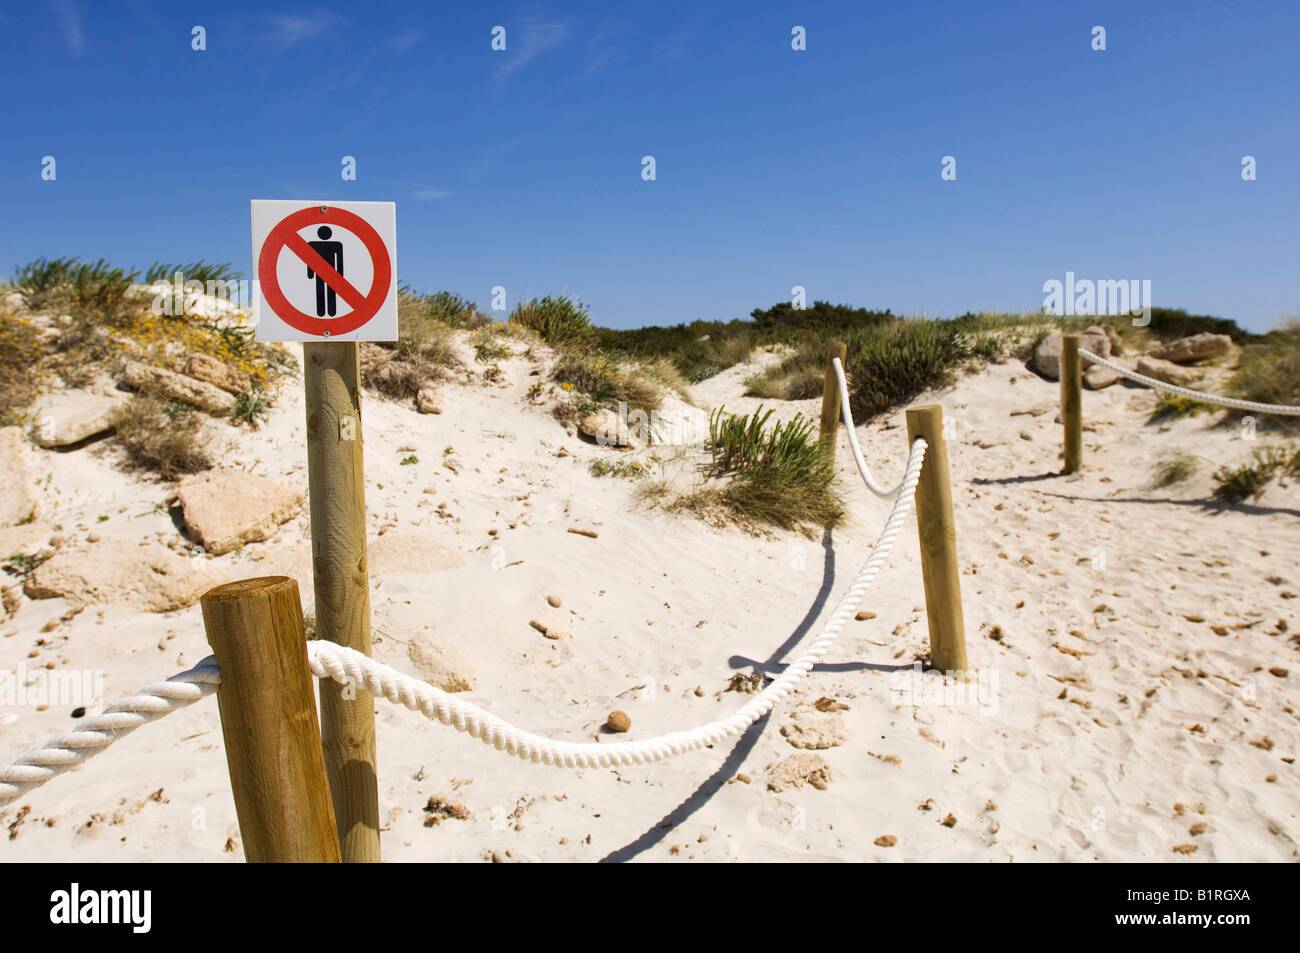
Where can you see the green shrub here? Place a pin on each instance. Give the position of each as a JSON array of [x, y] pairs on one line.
[[1174, 406], [1269, 371], [1234, 484], [454, 311], [822, 318], [697, 350], [558, 320], [1168, 324], [901, 361], [166, 438]]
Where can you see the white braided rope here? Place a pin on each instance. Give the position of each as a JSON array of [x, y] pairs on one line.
[[328, 660], [853, 438], [1284, 409], [97, 732]]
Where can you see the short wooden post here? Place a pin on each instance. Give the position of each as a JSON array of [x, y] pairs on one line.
[[831, 398], [1072, 401], [268, 719], [938, 543], [342, 584]]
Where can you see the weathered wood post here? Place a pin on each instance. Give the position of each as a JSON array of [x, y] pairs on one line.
[[268, 719], [342, 584], [831, 398], [1072, 401], [938, 537]]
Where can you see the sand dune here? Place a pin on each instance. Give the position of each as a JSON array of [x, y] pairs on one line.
[[1136, 646]]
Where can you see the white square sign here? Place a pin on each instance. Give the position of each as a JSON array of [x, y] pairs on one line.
[[325, 271]]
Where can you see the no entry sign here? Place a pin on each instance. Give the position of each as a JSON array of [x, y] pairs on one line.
[[326, 271]]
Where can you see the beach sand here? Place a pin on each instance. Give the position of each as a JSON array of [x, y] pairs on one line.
[[1135, 697]]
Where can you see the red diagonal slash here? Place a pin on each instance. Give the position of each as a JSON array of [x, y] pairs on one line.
[[296, 244]]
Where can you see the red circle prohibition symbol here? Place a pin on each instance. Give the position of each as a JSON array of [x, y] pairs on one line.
[[285, 235]]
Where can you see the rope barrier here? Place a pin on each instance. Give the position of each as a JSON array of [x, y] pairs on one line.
[[853, 437], [1234, 403], [328, 660], [97, 732], [348, 666]]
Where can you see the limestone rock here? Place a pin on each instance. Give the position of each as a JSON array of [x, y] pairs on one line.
[[158, 380], [228, 508], [601, 426], [440, 664], [151, 578], [1189, 350], [798, 770], [17, 500], [815, 731], [606, 429], [206, 368], [1166, 371], [1047, 356], [426, 401], [1097, 377], [71, 416]]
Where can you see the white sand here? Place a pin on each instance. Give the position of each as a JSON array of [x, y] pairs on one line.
[[1112, 708]]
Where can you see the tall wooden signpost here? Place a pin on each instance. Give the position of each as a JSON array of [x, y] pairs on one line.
[[327, 276]]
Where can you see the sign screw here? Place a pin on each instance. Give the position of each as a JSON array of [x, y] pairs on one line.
[[324, 208]]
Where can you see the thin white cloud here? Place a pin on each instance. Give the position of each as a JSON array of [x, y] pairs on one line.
[[524, 44], [69, 15], [289, 29], [428, 195]]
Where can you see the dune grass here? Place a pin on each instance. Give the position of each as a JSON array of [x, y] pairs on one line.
[[165, 437], [1173, 468], [1270, 462], [556, 320], [1175, 406], [21, 351], [194, 271], [1269, 371], [609, 378], [777, 473], [424, 350]]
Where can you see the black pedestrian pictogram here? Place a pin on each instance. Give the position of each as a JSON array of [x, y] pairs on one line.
[[332, 252]]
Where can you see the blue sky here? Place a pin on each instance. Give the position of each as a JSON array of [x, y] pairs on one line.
[[775, 168]]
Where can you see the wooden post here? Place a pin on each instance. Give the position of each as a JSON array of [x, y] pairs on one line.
[[938, 535], [831, 398], [1072, 402], [268, 718], [342, 583]]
